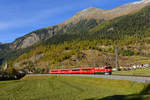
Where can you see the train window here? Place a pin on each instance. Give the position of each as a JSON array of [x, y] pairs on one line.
[[76, 70], [64, 70], [86, 69], [54, 71]]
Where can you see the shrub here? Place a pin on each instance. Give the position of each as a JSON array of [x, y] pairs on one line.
[[127, 53]]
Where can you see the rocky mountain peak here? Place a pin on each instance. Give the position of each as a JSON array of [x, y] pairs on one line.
[[89, 13], [129, 8], [90, 9], [99, 14], [141, 2]]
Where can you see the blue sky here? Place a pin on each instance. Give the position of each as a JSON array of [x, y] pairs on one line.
[[19, 17]]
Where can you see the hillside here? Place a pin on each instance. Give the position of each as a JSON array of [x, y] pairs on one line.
[[130, 33], [12, 51]]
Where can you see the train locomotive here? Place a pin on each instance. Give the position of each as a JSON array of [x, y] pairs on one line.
[[107, 70]]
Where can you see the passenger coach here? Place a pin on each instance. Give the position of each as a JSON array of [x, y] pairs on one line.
[[107, 70]]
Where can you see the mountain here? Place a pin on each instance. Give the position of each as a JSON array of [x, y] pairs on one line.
[[86, 14], [100, 14], [94, 46], [75, 28]]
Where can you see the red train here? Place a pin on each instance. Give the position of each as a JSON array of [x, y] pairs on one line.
[[95, 70]]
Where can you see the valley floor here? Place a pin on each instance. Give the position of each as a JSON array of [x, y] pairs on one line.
[[72, 88]]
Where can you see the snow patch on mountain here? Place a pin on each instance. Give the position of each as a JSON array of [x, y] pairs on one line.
[[142, 1]]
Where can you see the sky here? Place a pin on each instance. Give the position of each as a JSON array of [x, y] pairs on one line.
[[19, 17]]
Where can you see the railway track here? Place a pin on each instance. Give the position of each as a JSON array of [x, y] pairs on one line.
[[135, 78]]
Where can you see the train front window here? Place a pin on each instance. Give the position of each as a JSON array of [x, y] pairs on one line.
[[108, 68]]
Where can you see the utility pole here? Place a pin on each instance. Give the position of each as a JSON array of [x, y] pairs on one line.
[[116, 60], [77, 60], [94, 59]]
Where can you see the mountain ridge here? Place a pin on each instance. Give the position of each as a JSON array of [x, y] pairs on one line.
[[86, 14], [107, 14]]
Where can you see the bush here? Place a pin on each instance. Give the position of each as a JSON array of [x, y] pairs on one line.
[[127, 53], [11, 71]]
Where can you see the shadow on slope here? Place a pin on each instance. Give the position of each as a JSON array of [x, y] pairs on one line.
[[143, 95]]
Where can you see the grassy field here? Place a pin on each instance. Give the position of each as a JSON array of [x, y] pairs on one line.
[[72, 88], [142, 72]]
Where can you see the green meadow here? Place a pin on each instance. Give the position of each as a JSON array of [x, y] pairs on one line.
[[72, 88]]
